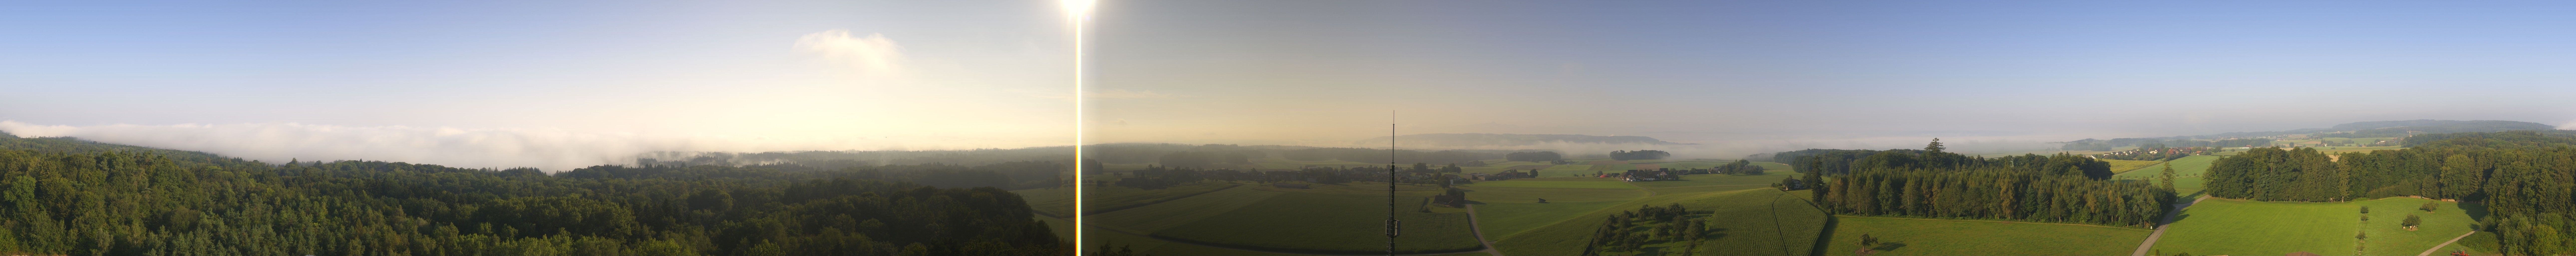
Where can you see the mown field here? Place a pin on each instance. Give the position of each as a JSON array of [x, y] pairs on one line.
[[1909, 236], [2236, 227], [1745, 222], [2447, 220], [2240, 227]]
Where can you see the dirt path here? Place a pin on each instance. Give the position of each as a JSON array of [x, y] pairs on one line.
[[2160, 227], [1479, 229], [2437, 248]]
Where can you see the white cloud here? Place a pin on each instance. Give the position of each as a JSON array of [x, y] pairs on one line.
[[871, 55]]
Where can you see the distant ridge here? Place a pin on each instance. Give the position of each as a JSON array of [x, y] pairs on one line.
[[2401, 128], [1491, 140]]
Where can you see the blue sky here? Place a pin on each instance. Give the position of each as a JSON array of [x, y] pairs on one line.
[[574, 79], [596, 79], [1825, 72]]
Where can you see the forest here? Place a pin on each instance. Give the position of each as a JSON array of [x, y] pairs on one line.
[[70, 197], [1639, 155], [1931, 183], [2524, 178]]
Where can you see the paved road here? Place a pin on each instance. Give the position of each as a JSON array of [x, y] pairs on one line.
[[2168, 222], [2429, 252]]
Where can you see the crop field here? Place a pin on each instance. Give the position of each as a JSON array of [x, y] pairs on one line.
[[1354, 188], [2184, 167], [1327, 223], [1492, 194], [1095, 237], [2124, 166], [1909, 236], [1714, 182], [1531, 183], [1150, 218], [1111, 198], [1745, 222]]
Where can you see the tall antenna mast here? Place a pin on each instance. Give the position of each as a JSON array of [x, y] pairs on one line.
[[1393, 227]]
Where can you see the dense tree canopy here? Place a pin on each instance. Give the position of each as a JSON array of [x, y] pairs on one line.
[[1639, 155], [2058, 188], [2526, 180], [75, 198]]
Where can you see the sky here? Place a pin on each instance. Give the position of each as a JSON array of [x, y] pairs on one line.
[[1760, 76], [549, 84], [563, 84]]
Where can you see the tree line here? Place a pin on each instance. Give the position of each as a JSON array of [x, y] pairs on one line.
[[64, 197], [1931, 183], [2525, 179], [1639, 155]]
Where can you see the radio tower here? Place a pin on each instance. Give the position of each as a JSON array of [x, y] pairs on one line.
[[1393, 227]]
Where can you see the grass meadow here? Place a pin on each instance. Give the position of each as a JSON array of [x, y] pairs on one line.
[[1745, 222], [1909, 236]]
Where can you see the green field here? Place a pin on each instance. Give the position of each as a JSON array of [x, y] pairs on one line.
[[1492, 194], [1747, 222], [2124, 166], [1528, 183], [2239, 227], [1327, 223], [2236, 227], [1050, 202], [2185, 167], [1095, 237], [1909, 236], [1714, 182], [1112, 198], [2446, 221], [1155, 217]]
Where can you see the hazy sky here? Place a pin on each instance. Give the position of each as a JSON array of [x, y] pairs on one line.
[[1819, 72], [552, 84], [560, 84]]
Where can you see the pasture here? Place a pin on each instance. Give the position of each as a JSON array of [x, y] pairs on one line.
[[1327, 223], [2237, 227], [1910, 236], [1745, 222]]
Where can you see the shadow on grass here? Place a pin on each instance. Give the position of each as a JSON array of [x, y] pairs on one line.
[[1825, 237], [1888, 246]]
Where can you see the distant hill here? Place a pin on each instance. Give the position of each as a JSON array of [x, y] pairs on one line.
[[2402, 128], [1469, 140]]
